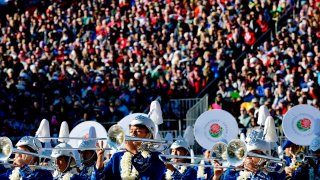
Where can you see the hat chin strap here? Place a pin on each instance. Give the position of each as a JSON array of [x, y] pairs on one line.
[[68, 165], [29, 161], [87, 160], [149, 136]]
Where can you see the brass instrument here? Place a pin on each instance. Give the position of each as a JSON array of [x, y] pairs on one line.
[[6, 149], [237, 153], [302, 158], [49, 168], [219, 149], [116, 138]]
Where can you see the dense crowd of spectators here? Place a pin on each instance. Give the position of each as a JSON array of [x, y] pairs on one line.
[[281, 73], [100, 60]]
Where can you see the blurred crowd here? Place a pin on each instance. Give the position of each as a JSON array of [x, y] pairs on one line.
[[281, 73], [101, 60]]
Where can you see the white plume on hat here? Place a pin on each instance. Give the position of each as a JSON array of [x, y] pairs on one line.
[[64, 132], [169, 138], [270, 132], [162, 146], [188, 136], [242, 137], [280, 152], [192, 155], [263, 114], [43, 130], [158, 136], [155, 113]]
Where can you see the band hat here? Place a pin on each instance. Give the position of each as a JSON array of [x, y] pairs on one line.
[[60, 150], [180, 143], [31, 142], [255, 142], [131, 119], [143, 120], [64, 138], [286, 144], [150, 120], [259, 145], [186, 141]]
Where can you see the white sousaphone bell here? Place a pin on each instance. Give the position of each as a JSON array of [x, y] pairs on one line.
[[217, 130], [215, 126], [213, 129], [301, 124]]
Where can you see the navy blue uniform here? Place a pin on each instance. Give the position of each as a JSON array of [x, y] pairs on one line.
[[232, 175], [189, 174], [150, 168], [86, 172], [27, 173], [306, 172]]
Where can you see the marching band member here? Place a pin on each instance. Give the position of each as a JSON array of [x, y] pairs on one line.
[[22, 161], [301, 126], [65, 163], [64, 157], [310, 167], [180, 148], [254, 166], [205, 172], [131, 163], [88, 157], [289, 149], [290, 152]]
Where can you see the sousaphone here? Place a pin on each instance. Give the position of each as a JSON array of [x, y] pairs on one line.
[[215, 126], [301, 124]]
